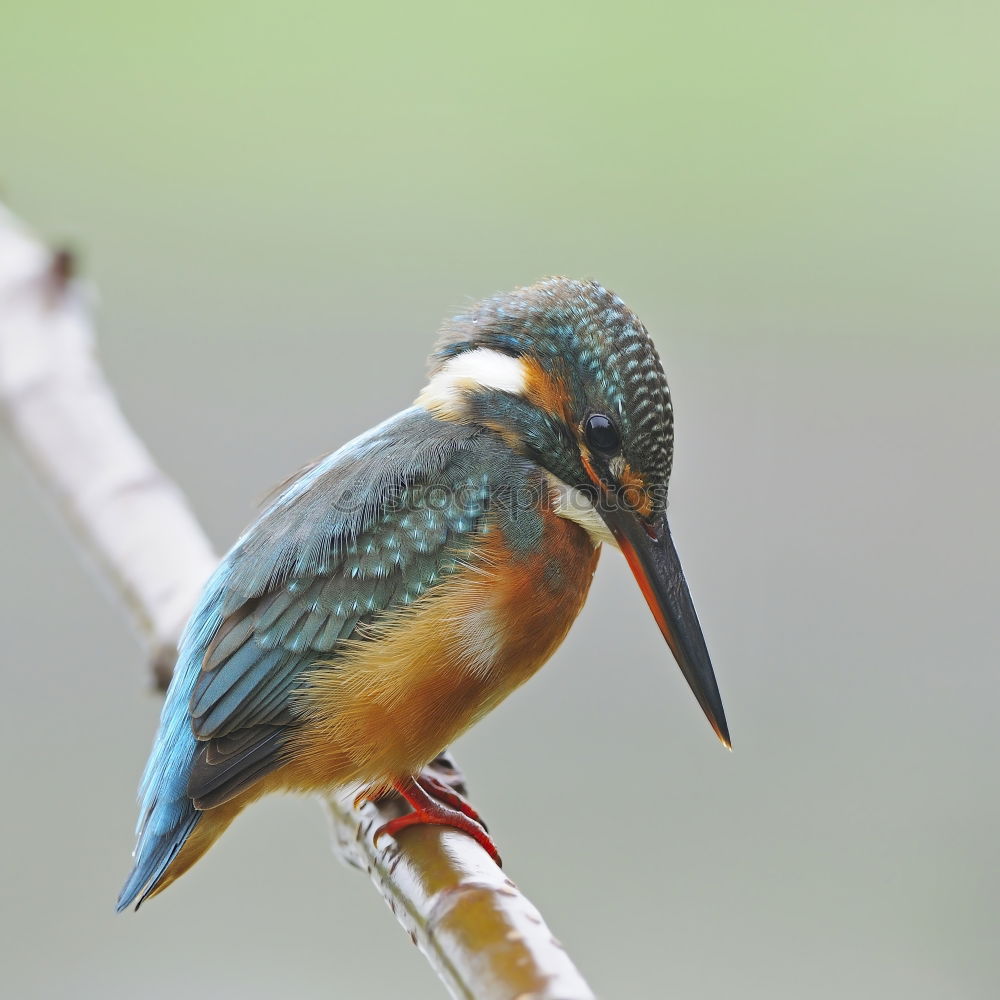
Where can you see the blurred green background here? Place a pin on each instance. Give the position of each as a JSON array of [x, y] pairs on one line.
[[279, 202]]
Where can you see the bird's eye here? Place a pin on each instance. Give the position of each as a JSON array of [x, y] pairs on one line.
[[602, 435]]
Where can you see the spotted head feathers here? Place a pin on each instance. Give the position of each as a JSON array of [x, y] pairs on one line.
[[568, 374]]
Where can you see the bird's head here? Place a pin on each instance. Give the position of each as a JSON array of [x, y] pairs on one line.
[[564, 371]]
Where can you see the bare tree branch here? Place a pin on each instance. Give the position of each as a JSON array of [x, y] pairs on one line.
[[483, 938]]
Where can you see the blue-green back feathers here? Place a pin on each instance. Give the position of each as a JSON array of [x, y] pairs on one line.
[[369, 528]]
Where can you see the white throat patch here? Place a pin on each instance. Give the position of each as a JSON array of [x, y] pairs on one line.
[[483, 368], [571, 503]]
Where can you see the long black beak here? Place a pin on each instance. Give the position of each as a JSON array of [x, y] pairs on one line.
[[653, 559]]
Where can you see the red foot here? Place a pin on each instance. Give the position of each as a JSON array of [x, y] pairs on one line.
[[428, 809], [443, 793]]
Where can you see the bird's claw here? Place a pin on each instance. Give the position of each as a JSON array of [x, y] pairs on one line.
[[443, 793], [435, 804]]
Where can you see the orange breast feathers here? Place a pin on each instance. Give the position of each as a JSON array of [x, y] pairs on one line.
[[419, 678]]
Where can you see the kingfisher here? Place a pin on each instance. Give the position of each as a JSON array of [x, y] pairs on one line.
[[398, 589]]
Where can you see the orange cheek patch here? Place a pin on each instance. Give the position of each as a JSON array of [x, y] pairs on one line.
[[636, 493], [591, 471], [548, 392]]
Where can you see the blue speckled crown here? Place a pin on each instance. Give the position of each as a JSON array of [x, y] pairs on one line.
[[593, 340]]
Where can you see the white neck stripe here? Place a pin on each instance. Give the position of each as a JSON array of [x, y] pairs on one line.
[[482, 368]]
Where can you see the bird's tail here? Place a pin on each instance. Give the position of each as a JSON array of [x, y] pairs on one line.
[[153, 856], [162, 859]]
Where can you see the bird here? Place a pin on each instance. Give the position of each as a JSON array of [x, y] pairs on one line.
[[395, 591]]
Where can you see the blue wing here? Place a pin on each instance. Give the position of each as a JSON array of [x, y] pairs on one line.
[[366, 529]]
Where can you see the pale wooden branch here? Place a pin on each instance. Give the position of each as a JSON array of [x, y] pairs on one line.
[[483, 938]]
